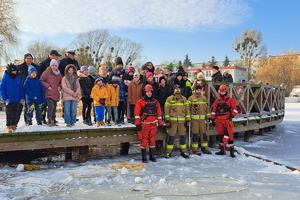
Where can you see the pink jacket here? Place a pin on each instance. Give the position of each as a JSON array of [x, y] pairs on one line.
[[67, 91], [49, 79]]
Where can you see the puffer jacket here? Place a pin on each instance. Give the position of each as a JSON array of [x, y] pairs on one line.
[[86, 85], [49, 79], [34, 88], [113, 95], [99, 92], [11, 88]]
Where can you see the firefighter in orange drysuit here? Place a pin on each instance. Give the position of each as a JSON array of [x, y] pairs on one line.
[[223, 110], [147, 114]]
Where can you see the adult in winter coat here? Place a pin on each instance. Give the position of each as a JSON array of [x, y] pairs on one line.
[[71, 94], [12, 95], [216, 77], [113, 99], [226, 77], [147, 114], [223, 110], [68, 59], [23, 72], [163, 92], [200, 113], [134, 93], [35, 96], [177, 116], [99, 95], [51, 80], [86, 85]]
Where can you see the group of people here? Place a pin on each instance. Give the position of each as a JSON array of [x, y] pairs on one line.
[[147, 98]]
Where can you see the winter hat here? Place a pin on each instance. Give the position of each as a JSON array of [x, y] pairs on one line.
[[131, 69], [84, 68], [115, 80], [149, 74], [119, 61], [11, 67], [200, 74], [243, 81], [31, 69], [28, 55], [215, 67], [198, 87], [226, 71], [53, 62], [136, 74], [186, 74], [98, 79], [170, 66], [92, 69], [162, 78]]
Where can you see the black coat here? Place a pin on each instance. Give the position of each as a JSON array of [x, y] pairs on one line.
[[23, 71], [43, 66], [86, 85], [163, 93], [217, 77], [66, 61]]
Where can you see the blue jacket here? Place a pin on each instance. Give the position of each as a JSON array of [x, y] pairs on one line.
[[33, 87], [11, 88]]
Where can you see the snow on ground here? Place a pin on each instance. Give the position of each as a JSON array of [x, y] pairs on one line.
[[199, 177]]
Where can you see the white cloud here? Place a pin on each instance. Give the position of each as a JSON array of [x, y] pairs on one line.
[[69, 16]]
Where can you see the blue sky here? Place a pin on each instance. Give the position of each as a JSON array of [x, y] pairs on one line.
[[168, 30]]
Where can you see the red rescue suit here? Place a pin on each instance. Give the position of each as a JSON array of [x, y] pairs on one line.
[[148, 114], [223, 110]]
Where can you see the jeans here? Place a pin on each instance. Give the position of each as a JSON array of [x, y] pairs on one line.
[[70, 111], [29, 112], [115, 111]]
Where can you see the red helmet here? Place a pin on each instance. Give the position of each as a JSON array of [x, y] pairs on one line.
[[223, 88], [148, 87]]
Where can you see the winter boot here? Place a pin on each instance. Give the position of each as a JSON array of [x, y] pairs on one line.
[[144, 159], [98, 123], [205, 150], [232, 151], [151, 155], [223, 150], [184, 154], [8, 129]]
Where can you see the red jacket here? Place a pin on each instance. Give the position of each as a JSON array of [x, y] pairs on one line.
[[224, 107], [147, 112]]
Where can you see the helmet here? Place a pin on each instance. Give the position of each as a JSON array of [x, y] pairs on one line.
[[223, 88], [148, 87]]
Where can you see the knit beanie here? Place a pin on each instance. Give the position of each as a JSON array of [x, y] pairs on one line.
[[170, 66], [115, 80], [149, 74], [136, 74], [31, 69], [84, 68], [92, 69], [53, 62]]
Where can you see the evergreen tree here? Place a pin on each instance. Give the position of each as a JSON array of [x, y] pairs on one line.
[[226, 61], [203, 65], [187, 62], [179, 63], [213, 62]]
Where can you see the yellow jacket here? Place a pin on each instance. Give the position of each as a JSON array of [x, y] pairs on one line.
[[97, 93], [113, 95]]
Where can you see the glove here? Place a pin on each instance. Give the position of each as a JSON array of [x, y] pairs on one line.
[[7, 101], [187, 123], [138, 127], [102, 101], [230, 117], [160, 127], [168, 124]]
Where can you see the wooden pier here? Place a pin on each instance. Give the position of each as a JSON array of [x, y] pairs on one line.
[[262, 108]]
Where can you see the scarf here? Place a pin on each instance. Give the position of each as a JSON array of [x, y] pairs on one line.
[[56, 72], [72, 82]]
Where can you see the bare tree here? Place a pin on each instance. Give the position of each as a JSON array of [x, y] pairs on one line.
[[8, 28], [40, 50], [249, 45]]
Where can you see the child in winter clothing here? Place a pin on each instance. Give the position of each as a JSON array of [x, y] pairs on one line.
[[86, 85], [35, 96], [122, 103], [71, 90], [113, 90], [134, 93], [51, 80], [12, 94], [99, 95]]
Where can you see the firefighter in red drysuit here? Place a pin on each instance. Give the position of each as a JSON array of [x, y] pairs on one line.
[[147, 114], [223, 110]]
